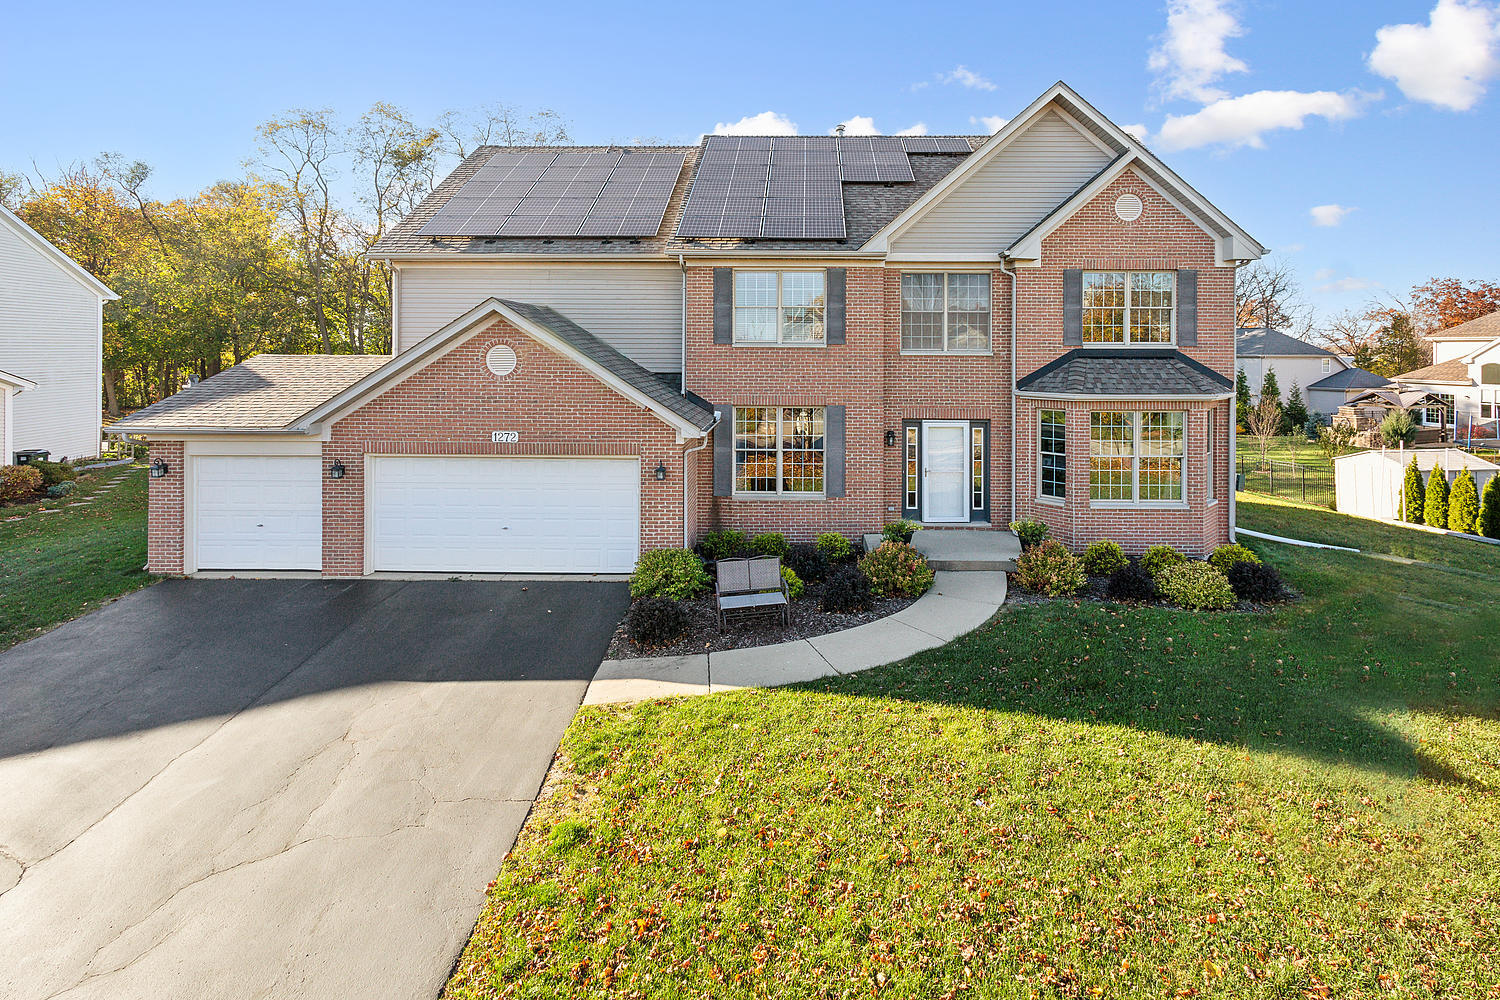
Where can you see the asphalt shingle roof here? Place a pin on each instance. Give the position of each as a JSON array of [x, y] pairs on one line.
[[1351, 378], [1447, 371], [1486, 327], [1260, 342], [266, 392], [1133, 372]]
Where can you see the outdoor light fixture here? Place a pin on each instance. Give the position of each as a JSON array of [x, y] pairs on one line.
[[336, 470], [890, 439], [159, 469], [661, 471]]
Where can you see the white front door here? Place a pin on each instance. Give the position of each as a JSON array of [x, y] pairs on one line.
[[945, 471], [257, 512]]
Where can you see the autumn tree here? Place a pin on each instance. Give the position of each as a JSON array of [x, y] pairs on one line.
[[1446, 302]]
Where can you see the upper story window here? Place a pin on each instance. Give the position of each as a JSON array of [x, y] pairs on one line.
[[1128, 307], [1489, 374], [779, 307], [945, 312], [1327, 365]]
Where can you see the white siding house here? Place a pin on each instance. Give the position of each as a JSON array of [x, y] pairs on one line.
[[1465, 374], [51, 335], [1326, 380]]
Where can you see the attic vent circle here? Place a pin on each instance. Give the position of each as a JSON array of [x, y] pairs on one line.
[[501, 360], [1128, 207]]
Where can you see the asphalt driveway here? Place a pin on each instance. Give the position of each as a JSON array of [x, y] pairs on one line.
[[237, 788]]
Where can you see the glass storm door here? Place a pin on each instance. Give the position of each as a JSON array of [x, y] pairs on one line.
[[945, 483]]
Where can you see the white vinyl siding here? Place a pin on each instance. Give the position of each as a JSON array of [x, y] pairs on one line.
[[1038, 169], [49, 333], [636, 309]]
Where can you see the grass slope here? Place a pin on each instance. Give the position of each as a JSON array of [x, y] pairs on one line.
[[1077, 800], [55, 567]]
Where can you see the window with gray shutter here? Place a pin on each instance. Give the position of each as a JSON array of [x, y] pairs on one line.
[[1072, 292], [834, 320], [723, 305], [724, 452], [833, 451], [1187, 308]]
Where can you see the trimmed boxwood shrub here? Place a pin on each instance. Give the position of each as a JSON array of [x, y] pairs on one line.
[[1103, 558], [674, 573], [1226, 556], [655, 621], [794, 584], [19, 482], [1257, 582], [1031, 533], [724, 543], [770, 543], [1132, 583], [1196, 586], [847, 590], [808, 561], [59, 490], [834, 546], [897, 568], [1049, 568], [1159, 557], [1463, 503], [55, 472], [900, 531]]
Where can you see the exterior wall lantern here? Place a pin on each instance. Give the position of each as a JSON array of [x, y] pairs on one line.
[[890, 439], [159, 469], [661, 471], [336, 470]]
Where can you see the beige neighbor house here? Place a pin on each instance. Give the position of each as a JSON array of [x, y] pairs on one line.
[[1465, 376], [1326, 380]]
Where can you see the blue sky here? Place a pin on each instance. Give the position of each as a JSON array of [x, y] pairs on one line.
[[1398, 128]]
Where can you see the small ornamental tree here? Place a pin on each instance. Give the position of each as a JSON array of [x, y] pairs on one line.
[[1415, 492], [1295, 415], [1241, 399], [1435, 510], [1463, 503], [1489, 509]]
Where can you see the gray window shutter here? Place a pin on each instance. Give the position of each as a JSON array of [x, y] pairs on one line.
[[834, 317], [724, 452], [724, 306], [1187, 308], [833, 451], [1073, 307]]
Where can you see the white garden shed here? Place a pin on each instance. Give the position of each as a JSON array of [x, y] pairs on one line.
[[1368, 483]]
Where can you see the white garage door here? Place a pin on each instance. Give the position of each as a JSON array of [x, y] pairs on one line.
[[258, 512], [504, 515]]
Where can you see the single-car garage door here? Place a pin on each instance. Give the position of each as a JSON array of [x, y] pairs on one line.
[[504, 515], [258, 512]]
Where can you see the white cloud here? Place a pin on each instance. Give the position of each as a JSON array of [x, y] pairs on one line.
[[1445, 62], [1190, 56], [920, 128], [1292, 248], [1350, 284], [1323, 273], [765, 123], [1328, 215], [1241, 121], [1136, 132], [991, 123], [966, 77]]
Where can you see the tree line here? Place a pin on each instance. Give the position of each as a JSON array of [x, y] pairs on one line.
[[271, 261]]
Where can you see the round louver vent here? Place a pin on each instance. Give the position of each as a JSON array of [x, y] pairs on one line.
[[1128, 207], [501, 360]]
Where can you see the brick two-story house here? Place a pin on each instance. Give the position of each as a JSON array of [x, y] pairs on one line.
[[601, 350]]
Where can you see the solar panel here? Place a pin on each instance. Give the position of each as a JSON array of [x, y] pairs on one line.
[[936, 144], [873, 158]]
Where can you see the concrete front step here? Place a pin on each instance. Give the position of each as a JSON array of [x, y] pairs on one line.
[[964, 550]]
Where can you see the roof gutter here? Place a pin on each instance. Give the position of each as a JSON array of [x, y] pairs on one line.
[[120, 431]]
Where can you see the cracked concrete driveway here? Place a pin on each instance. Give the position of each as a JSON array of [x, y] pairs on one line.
[[235, 788]]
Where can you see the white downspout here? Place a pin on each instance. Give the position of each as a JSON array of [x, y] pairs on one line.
[[1013, 459], [687, 541], [682, 264], [1234, 428]]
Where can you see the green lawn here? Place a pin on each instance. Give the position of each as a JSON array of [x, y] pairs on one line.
[[1077, 800], [54, 567], [1313, 474]]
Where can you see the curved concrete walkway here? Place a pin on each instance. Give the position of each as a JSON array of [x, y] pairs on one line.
[[958, 602]]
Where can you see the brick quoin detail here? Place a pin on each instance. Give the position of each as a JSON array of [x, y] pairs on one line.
[[164, 511]]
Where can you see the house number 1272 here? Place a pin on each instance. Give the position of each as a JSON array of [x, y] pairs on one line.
[[505, 437]]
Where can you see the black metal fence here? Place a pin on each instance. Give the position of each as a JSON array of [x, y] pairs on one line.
[[1292, 480]]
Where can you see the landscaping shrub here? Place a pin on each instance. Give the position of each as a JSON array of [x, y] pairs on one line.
[[1397, 429], [1415, 492], [794, 584], [1159, 557], [1132, 583], [1489, 509], [18, 482], [770, 543], [59, 490], [808, 561], [55, 472], [1196, 586], [834, 546], [1030, 532], [1257, 582], [1103, 558], [900, 531], [655, 621], [724, 543], [674, 573], [847, 589], [1049, 568], [1463, 503], [897, 568], [1435, 510], [1226, 556]]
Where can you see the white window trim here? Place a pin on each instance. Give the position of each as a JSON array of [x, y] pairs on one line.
[[1210, 459], [1135, 468], [971, 352], [781, 273], [1327, 365], [778, 493], [1127, 342], [1041, 497]]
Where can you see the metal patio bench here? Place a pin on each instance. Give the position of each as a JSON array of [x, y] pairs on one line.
[[752, 585]]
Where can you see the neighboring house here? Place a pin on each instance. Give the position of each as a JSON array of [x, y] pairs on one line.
[[1325, 378], [52, 335], [1465, 375], [602, 350]]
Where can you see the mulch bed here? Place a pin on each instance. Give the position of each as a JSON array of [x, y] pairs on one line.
[[746, 630], [1098, 590]]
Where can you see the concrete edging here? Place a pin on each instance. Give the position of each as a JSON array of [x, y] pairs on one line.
[[957, 603]]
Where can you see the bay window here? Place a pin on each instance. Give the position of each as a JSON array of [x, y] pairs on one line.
[[778, 450], [1136, 457], [1053, 443], [1128, 307], [779, 307]]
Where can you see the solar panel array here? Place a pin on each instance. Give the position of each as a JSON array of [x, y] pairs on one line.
[[936, 144], [562, 193]]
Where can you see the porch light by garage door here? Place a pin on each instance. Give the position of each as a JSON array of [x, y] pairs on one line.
[[159, 469], [336, 470]]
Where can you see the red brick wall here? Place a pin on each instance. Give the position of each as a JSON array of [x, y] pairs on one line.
[[164, 518], [451, 406]]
